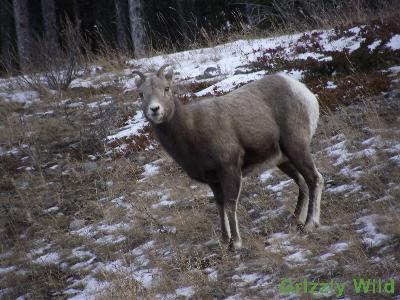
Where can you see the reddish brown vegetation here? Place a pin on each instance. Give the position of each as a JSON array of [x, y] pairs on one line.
[[356, 74]]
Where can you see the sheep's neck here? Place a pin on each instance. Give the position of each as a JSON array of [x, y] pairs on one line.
[[174, 135]]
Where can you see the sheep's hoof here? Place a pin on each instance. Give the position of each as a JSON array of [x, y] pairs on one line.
[[235, 245], [294, 221], [310, 226]]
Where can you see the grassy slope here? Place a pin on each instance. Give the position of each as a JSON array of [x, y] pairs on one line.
[[71, 214]]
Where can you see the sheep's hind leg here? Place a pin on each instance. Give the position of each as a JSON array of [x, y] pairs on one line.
[[299, 154], [231, 182], [225, 229], [300, 213]]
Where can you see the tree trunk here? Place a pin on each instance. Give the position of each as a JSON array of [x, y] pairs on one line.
[[250, 14], [50, 25], [6, 30], [24, 40], [122, 24], [138, 32], [77, 18]]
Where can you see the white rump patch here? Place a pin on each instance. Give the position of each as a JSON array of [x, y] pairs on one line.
[[308, 98]]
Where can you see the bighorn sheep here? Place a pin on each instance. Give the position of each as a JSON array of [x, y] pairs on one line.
[[269, 122]]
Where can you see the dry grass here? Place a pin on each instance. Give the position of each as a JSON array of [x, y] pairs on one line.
[[271, 18], [186, 247]]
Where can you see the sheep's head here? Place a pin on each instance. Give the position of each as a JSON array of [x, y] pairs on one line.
[[156, 93]]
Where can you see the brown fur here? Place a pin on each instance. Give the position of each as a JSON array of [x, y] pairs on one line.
[[216, 140]]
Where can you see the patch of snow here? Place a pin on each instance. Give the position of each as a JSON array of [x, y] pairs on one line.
[[372, 141], [295, 74], [246, 279], [185, 292], [110, 239], [92, 288], [140, 249], [396, 159], [325, 256], [352, 173], [52, 209], [129, 85], [228, 57], [38, 251], [211, 242], [355, 30], [145, 277], [165, 229], [133, 127], [298, 257], [371, 236], [212, 274], [395, 69], [24, 97], [365, 153], [5, 254], [393, 149], [111, 267], [80, 253], [234, 297], [49, 258], [375, 44], [87, 231], [267, 175], [230, 83], [5, 270], [339, 151], [13, 151], [340, 247], [150, 169], [279, 187], [83, 265], [313, 55], [113, 227], [331, 85], [280, 242], [394, 42], [75, 104], [344, 188], [119, 202], [97, 104], [142, 260], [4, 292], [350, 43], [164, 201]]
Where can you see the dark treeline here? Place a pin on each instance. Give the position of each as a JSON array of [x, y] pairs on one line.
[[132, 26], [135, 26]]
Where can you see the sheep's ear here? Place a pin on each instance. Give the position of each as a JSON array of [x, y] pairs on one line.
[[169, 74], [139, 79], [166, 71]]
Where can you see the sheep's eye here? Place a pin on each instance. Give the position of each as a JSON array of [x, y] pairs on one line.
[[141, 95], [166, 89]]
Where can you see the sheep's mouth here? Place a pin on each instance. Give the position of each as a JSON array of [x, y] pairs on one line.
[[156, 118]]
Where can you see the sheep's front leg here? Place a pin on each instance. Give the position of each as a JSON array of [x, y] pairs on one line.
[[225, 229], [231, 183]]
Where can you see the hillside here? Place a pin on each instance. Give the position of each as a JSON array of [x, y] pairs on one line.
[[93, 208]]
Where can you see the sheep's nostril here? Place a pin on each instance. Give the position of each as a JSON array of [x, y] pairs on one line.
[[154, 108]]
